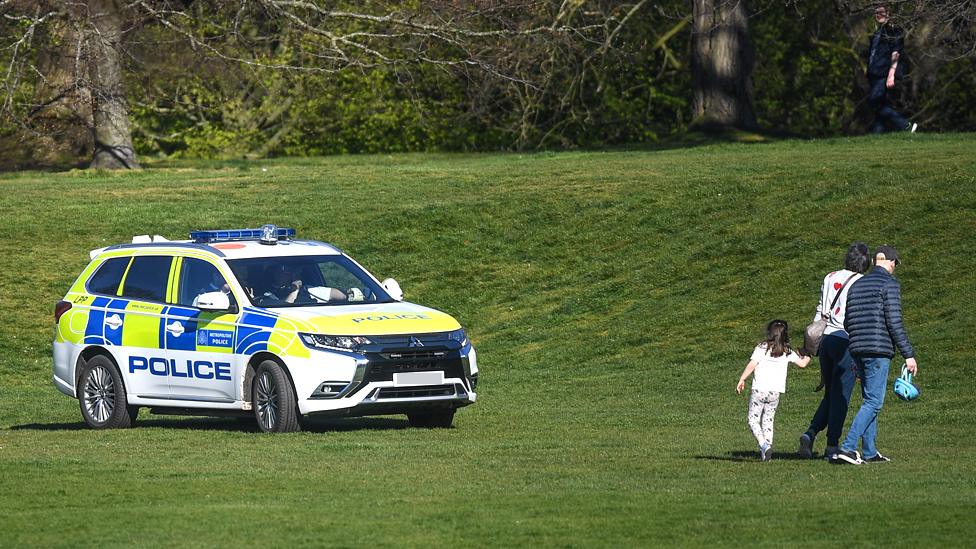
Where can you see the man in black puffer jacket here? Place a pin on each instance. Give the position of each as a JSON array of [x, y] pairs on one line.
[[875, 327]]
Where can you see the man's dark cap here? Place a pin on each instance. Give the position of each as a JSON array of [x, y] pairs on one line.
[[890, 253]]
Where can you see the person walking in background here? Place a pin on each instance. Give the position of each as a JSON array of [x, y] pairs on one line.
[[836, 364], [887, 46], [769, 361], [875, 327]]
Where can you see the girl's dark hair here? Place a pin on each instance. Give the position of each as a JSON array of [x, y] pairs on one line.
[[858, 258], [778, 338]]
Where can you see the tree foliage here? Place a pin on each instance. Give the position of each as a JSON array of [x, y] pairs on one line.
[[233, 78]]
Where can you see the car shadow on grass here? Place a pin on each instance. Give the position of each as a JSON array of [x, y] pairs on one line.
[[76, 426], [247, 424], [753, 455], [311, 425], [324, 425]]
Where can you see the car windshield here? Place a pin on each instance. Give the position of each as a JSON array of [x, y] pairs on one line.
[[306, 281]]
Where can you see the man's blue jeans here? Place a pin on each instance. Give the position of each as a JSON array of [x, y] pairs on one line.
[[873, 372], [837, 370], [885, 116]]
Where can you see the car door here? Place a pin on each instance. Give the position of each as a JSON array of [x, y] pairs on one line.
[[134, 323], [103, 288], [200, 344]]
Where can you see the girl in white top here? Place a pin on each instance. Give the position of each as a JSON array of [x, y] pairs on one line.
[[769, 360]]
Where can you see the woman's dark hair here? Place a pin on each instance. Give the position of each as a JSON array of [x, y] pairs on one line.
[[778, 338], [858, 258]]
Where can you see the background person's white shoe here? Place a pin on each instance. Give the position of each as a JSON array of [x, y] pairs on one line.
[[913, 128]]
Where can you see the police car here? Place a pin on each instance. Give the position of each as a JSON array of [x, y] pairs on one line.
[[253, 321]]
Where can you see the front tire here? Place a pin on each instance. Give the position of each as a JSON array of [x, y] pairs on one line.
[[102, 397], [274, 400], [432, 419]]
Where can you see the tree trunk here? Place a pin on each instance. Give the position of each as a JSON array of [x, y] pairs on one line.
[[722, 62], [110, 113]]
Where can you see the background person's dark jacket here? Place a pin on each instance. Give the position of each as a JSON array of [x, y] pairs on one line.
[[873, 318], [890, 39]]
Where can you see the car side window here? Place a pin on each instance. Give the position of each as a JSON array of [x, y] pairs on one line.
[[198, 277], [107, 278], [147, 278]]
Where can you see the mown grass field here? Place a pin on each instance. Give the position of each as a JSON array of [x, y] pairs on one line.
[[613, 298]]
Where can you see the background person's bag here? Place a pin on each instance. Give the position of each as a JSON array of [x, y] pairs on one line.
[[814, 333]]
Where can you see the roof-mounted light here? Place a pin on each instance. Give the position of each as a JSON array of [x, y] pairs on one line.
[[268, 234]]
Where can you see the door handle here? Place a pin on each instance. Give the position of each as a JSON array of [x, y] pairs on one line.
[[175, 328]]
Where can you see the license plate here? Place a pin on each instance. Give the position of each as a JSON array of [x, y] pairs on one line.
[[418, 378]]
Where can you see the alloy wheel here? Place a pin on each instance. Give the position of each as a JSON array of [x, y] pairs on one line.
[[267, 401], [99, 394]]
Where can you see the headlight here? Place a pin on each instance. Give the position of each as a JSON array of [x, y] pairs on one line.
[[460, 336], [339, 343]]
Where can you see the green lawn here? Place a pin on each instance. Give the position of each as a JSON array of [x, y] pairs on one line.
[[613, 298]]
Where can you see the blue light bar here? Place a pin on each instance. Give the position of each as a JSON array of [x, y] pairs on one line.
[[204, 237]]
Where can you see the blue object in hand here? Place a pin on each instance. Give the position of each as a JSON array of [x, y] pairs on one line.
[[904, 388]]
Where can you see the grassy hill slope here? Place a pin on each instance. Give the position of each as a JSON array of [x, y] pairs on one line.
[[613, 299]]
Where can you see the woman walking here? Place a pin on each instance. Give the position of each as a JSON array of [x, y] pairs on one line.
[[836, 363]]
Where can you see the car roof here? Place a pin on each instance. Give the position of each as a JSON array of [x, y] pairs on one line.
[[232, 249], [240, 249]]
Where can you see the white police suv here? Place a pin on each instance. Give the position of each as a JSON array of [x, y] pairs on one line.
[[253, 321]]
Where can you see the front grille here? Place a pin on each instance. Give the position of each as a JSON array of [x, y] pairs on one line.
[[414, 355], [416, 392], [428, 340], [383, 365]]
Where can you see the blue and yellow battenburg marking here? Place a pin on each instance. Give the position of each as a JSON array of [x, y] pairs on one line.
[[116, 321], [254, 331]]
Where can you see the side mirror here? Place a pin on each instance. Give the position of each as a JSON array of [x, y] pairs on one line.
[[213, 301], [392, 287]]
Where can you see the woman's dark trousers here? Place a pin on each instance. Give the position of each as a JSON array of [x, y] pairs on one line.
[[837, 369]]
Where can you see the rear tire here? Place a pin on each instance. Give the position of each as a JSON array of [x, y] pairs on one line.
[[432, 419], [101, 395], [274, 400]]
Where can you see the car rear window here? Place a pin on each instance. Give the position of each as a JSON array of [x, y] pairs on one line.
[[107, 278], [147, 278]]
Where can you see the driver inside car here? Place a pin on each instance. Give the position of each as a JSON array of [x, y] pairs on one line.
[[285, 285]]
